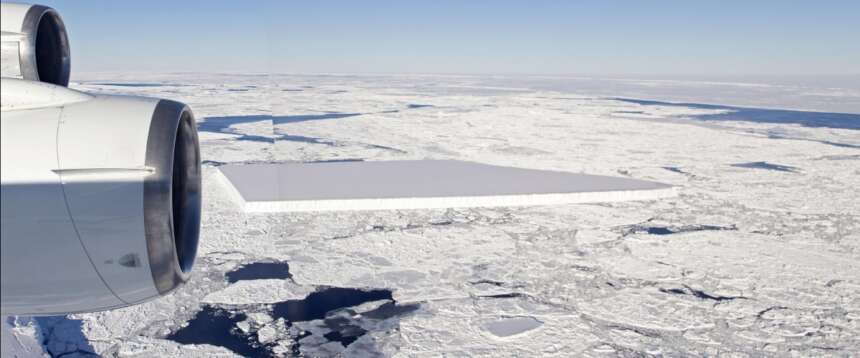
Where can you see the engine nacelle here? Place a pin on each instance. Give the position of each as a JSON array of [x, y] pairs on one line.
[[100, 200], [100, 196], [33, 44]]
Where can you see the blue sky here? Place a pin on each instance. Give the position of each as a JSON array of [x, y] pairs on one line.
[[654, 38]]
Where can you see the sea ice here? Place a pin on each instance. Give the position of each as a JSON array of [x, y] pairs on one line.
[[742, 262]]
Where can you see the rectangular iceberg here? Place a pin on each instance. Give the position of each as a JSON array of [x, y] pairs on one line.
[[420, 184]]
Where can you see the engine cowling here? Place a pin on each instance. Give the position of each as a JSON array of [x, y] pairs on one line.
[[33, 44], [100, 196]]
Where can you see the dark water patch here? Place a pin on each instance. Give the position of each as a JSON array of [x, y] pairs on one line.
[[674, 291], [62, 337], [762, 115], [304, 139], [416, 106], [223, 124], [345, 335], [260, 271], [706, 296], [217, 326], [390, 310], [343, 330], [444, 222], [675, 170], [504, 295], [488, 282], [659, 231], [311, 117], [766, 166], [628, 112], [837, 144], [255, 138], [670, 230], [347, 160], [346, 331], [238, 90], [317, 304], [376, 146], [335, 307], [827, 142], [134, 84], [213, 163], [75, 353], [292, 90], [687, 290]]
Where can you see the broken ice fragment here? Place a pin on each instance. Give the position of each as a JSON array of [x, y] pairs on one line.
[[512, 326]]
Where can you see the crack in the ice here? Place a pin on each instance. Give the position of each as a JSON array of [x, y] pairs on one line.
[[687, 290], [767, 166], [760, 314], [213, 163], [652, 229], [640, 331], [504, 295], [761, 115], [676, 170], [489, 282]]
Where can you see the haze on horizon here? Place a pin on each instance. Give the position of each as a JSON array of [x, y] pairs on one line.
[[665, 39]]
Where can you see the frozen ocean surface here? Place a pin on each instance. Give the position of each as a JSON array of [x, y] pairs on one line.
[[759, 254]]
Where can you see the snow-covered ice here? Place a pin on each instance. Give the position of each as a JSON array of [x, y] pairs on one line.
[[759, 254]]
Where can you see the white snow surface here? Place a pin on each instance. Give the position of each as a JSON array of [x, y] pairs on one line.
[[757, 259]]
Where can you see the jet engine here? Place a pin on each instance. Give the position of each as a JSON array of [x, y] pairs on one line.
[[34, 44], [101, 195]]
